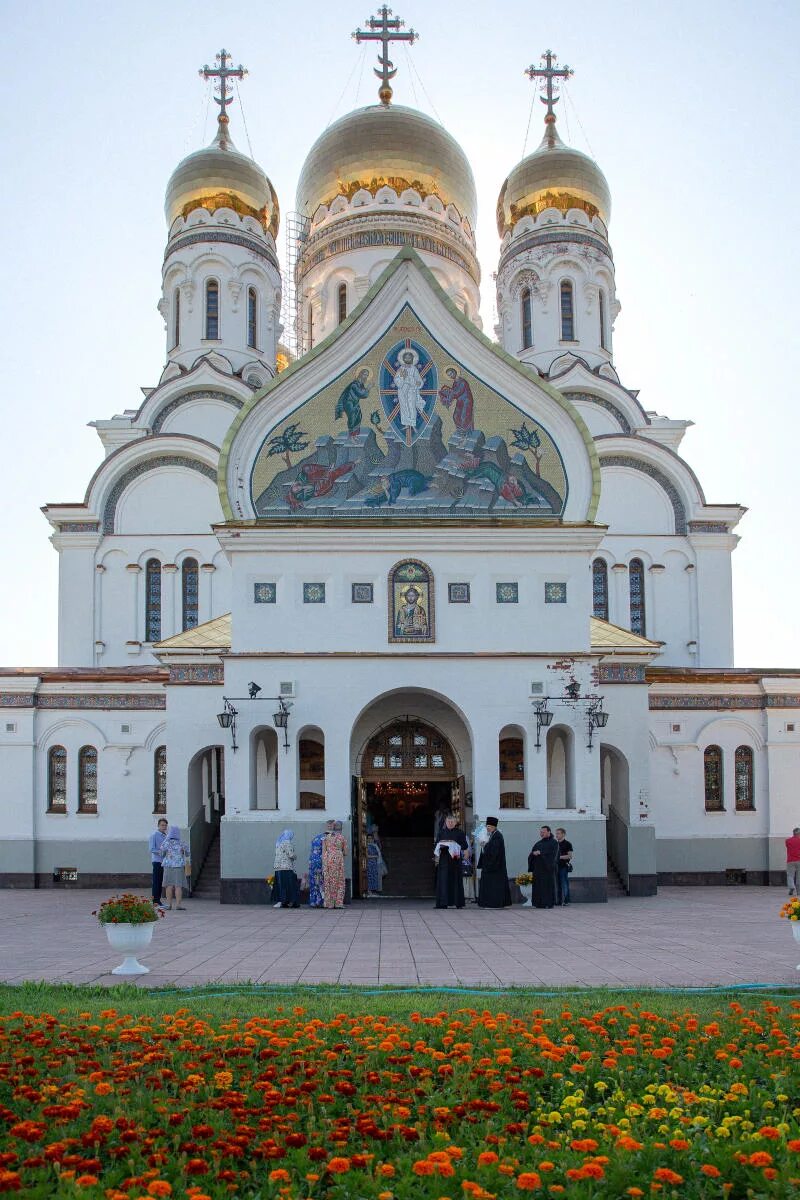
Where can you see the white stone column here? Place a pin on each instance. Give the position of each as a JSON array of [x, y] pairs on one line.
[[134, 642], [170, 598], [204, 598], [651, 613], [619, 606], [99, 641]]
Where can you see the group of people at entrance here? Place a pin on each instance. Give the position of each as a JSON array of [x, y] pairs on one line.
[[549, 862], [325, 879]]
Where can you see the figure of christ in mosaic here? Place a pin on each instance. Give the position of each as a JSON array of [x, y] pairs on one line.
[[349, 403], [411, 620], [458, 393]]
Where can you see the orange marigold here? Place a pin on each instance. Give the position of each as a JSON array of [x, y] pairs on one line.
[[666, 1176], [711, 1171], [423, 1167], [769, 1131], [159, 1187], [794, 1145], [760, 1159], [279, 1175], [386, 1170], [487, 1158], [86, 1180], [528, 1181], [338, 1166]]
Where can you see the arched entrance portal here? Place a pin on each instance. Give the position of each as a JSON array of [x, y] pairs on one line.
[[408, 770]]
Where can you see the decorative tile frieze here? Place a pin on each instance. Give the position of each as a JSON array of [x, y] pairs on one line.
[[555, 593], [17, 700], [637, 464], [182, 240], [265, 593], [458, 593], [79, 527], [507, 593], [313, 593], [362, 593], [620, 673], [722, 703], [709, 527], [197, 673], [95, 700]]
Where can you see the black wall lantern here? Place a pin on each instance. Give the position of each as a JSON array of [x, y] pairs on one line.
[[280, 719]]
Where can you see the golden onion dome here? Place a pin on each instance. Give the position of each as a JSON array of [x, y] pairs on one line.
[[554, 176], [386, 145], [220, 176]]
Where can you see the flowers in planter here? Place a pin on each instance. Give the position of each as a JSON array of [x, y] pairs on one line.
[[524, 880], [127, 909], [791, 909], [270, 880]]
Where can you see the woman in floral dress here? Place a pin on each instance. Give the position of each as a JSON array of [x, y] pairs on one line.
[[334, 849], [315, 898]]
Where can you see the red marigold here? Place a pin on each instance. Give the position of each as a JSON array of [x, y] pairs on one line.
[[10, 1181], [528, 1181], [196, 1166], [86, 1180], [666, 1176]]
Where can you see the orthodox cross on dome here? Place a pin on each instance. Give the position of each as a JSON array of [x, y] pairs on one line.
[[223, 73], [385, 29], [548, 74]]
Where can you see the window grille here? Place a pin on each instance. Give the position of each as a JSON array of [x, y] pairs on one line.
[[189, 591], [712, 769], [567, 313], [527, 319], [212, 310], [636, 587], [160, 780], [743, 771], [152, 602], [252, 318], [57, 779], [600, 589], [342, 297], [87, 779]]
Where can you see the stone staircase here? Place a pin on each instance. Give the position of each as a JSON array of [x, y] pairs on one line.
[[616, 888], [411, 868], [207, 883]]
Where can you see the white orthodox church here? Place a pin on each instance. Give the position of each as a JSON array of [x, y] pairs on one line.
[[391, 562]]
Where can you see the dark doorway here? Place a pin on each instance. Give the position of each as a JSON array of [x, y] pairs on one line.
[[405, 813]]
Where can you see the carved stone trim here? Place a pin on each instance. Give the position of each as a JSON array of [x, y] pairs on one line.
[[194, 673], [141, 468], [79, 527], [620, 673], [17, 700], [637, 464], [359, 239], [186, 398], [89, 700], [552, 237], [709, 527], [218, 235], [725, 703], [601, 402]]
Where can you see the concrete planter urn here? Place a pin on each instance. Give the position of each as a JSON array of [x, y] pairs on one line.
[[130, 940], [527, 892], [795, 925]]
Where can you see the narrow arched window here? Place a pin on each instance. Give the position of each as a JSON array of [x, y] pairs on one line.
[[152, 600], [212, 310], [601, 308], [342, 301], [252, 318], [567, 312], [310, 327], [176, 318], [743, 772], [87, 779], [527, 319], [160, 780], [189, 593], [636, 587], [600, 589], [712, 778], [57, 779]]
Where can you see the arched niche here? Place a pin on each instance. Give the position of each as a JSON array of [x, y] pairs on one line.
[[614, 782], [311, 769], [206, 785], [264, 758], [560, 767], [511, 754]]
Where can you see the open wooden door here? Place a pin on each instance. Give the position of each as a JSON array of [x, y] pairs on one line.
[[457, 796], [359, 823]]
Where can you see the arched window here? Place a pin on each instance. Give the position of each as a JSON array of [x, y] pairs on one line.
[[189, 594], [160, 780], [527, 319], [743, 772], [152, 600], [87, 779], [712, 776], [176, 318], [212, 310], [636, 586], [567, 312], [310, 327], [57, 779], [600, 589], [601, 308], [342, 301], [252, 318]]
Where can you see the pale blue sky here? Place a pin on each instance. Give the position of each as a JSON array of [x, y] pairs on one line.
[[691, 109]]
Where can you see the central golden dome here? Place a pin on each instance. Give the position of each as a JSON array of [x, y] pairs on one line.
[[386, 146], [220, 176], [554, 176]]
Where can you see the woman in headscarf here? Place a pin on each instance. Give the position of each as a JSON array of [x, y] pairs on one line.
[[286, 887], [174, 854], [315, 896], [334, 849]]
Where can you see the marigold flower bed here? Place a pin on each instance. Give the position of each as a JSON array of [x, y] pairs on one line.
[[617, 1102]]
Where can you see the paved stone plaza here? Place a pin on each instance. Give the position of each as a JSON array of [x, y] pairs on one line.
[[682, 937]]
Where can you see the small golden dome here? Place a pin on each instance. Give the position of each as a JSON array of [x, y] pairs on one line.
[[554, 176], [219, 176], [386, 145]]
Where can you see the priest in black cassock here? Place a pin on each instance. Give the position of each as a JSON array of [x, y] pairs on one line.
[[543, 864], [450, 850], [493, 891]]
